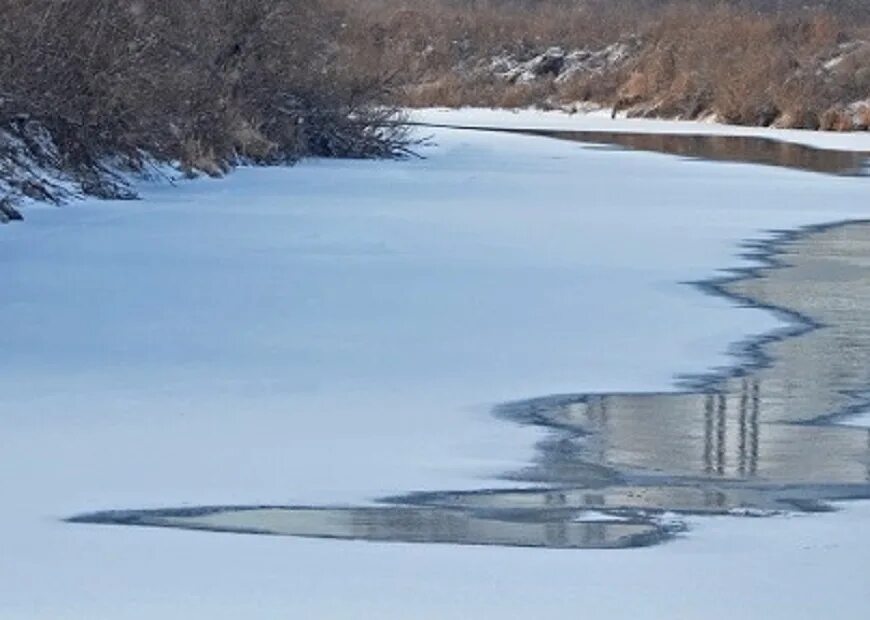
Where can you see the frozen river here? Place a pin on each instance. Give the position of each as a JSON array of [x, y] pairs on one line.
[[339, 332]]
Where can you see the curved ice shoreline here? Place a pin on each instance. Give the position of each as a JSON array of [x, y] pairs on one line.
[[242, 341], [752, 439]]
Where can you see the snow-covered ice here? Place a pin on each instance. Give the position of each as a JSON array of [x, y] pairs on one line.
[[338, 331]]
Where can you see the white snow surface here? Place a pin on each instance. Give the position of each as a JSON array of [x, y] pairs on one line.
[[593, 120], [337, 331]]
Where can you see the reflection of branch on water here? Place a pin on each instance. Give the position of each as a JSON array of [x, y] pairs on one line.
[[752, 439]]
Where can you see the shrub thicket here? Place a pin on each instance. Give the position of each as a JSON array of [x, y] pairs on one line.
[[205, 83]]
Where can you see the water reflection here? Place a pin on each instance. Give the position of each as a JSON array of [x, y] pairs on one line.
[[743, 149], [419, 524], [751, 439]]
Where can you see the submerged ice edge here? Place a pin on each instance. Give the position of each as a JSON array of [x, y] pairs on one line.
[[618, 469]]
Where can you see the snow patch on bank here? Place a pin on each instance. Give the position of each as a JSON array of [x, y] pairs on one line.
[[559, 64]]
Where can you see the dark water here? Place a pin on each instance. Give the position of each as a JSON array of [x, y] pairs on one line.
[[741, 149], [753, 439]]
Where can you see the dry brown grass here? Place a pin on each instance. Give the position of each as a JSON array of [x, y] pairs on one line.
[[747, 69], [746, 61]]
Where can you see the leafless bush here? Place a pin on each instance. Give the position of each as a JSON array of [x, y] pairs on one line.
[[206, 83]]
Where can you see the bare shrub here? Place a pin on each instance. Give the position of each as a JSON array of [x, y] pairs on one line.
[[206, 83]]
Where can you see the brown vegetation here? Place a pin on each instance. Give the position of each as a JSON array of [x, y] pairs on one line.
[[745, 61], [205, 83]]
